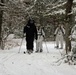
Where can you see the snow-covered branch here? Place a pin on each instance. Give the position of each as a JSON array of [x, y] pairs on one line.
[[29, 8], [57, 6], [35, 2], [70, 13], [2, 4]]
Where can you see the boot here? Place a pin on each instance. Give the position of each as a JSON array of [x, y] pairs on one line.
[[57, 47], [28, 51], [61, 48], [31, 51], [37, 51], [41, 50]]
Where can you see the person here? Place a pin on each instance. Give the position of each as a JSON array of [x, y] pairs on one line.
[[31, 33], [59, 33], [39, 41]]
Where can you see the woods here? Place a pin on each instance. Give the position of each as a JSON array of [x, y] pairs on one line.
[[14, 15]]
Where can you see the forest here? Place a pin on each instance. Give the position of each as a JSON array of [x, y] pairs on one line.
[[47, 13], [37, 37]]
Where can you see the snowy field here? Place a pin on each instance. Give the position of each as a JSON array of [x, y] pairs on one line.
[[14, 63]]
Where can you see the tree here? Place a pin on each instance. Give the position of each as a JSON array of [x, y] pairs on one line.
[[69, 24], [39, 9], [1, 15]]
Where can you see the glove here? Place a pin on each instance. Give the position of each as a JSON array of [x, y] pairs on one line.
[[43, 36], [35, 37], [54, 35]]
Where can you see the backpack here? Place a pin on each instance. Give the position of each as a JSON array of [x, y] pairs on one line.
[[61, 30]]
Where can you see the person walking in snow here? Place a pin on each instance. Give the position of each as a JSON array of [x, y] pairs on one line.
[[39, 41], [59, 33], [31, 33]]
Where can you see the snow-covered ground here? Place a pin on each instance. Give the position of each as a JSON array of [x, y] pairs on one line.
[[14, 63]]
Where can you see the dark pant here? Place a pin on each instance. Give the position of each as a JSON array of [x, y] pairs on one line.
[[29, 44]]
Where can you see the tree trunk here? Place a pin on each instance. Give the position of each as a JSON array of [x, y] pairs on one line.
[[1, 15], [68, 25]]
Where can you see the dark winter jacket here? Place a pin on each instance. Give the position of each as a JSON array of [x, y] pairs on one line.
[[30, 30]]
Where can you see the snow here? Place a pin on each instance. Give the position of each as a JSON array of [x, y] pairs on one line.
[[35, 2], [14, 63], [74, 0], [10, 37], [59, 11]]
